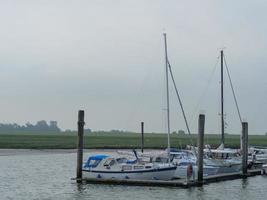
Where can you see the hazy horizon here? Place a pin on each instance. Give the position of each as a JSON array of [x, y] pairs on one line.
[[107, 58]]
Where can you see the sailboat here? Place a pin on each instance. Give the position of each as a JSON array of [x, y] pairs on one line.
[[228, 160], [121, 168], [183, 159], [107, 167], [220, 160]]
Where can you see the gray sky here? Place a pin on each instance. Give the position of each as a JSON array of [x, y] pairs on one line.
[[107, 57]]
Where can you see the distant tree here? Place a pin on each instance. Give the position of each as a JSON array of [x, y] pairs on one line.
[[174, 132], [9, 127], [181, 132], [29, 126], [40, 126], [53, 126], [266, 133]]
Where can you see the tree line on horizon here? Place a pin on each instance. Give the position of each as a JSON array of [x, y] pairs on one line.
[[40, 126]]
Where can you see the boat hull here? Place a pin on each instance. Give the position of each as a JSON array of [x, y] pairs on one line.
[[225, 166], [230, 169], [153, 174], [181, 171]]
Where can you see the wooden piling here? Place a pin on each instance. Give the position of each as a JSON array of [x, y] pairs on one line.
[[142, 135], [80, 146], [244, 148], [201, 125]]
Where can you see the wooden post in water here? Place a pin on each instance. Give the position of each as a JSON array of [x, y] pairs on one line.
[[201, 126], [244, 148], [142, 134], [80, 146]]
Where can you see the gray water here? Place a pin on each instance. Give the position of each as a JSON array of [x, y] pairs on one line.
[[47, 175]]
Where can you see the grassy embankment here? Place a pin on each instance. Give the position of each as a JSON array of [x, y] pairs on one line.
[[113, 140]]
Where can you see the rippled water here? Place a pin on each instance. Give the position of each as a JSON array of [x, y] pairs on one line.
[[47, 175]]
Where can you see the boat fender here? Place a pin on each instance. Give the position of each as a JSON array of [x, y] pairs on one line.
[[126, 177], [189, 170], [250, 164], [99, 176]]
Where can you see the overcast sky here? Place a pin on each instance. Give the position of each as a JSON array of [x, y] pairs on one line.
[[107, 57]]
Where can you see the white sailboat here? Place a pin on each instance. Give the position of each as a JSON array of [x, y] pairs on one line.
[[183, 159], [220, 160], [119, 168], [228, 160], [257, 157]]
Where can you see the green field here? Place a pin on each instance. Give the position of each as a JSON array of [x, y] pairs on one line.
[[114, 140]]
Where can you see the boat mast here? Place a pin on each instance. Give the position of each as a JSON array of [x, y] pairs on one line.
[[167, 87], [222, 101]]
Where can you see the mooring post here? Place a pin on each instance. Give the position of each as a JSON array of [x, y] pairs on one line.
[[142, 133], [244, 148], [80, 146], [201, 126]]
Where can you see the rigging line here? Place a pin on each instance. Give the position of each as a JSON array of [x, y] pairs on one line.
[[231, 84], [182, 108], [204, 91], [178, 96]]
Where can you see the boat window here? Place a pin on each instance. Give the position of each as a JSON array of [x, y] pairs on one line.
[[94, 163], [121, 160], [235, 155], [126, 167], [178, 156], [109, 162], [138, 167], [161, 160], [112, 163]]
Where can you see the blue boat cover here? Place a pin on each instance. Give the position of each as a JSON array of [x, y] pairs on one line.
[[94, 160], [131, 161]]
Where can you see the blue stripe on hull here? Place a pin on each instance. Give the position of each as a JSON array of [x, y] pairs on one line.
[[140, 171]]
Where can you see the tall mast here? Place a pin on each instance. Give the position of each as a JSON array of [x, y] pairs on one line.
[[222, 101], [167, 87]]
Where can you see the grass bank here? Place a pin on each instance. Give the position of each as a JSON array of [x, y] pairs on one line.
[[114, 140]]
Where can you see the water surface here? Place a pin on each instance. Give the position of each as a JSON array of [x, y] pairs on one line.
[[47, 175]]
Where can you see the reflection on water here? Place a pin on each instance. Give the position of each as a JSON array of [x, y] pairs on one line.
[[48, 176], [244, 183]]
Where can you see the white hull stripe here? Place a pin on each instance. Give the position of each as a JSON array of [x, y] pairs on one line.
[[127, 172]]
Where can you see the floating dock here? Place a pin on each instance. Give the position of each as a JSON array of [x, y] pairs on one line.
[[182, 183]]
